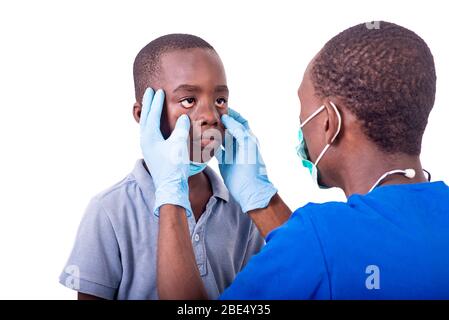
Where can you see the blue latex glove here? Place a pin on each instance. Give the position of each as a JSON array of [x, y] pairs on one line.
[[167, 160], [242, 167]]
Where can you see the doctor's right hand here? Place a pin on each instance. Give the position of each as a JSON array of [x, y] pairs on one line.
[[166, 159], [242, 167]]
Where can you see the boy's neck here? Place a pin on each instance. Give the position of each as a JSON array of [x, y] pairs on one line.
[[200, 191]]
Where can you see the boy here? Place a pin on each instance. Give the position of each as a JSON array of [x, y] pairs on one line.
[[115, 253]]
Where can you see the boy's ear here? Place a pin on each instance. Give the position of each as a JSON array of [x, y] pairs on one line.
[[137, 109]]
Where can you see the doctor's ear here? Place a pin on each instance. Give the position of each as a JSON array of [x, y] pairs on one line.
[[333, 122], [137, 109]]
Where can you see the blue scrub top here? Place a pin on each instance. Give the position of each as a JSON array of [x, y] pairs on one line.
[[392, 243]]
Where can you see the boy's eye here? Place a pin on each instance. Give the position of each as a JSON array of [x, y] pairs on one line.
[[220, 102], [188, 102]]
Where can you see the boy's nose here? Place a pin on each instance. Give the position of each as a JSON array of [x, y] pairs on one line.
[[207, 117]]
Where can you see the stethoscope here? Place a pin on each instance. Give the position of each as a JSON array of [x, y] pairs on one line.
[[409, 173]]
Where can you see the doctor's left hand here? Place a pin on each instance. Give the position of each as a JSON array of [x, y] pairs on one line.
[[242, 167], [167, 160]]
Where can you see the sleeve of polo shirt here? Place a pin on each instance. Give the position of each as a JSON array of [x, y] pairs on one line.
[[290, 266], [94, 265]]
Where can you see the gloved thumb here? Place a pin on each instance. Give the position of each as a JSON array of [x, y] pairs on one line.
[[220, 155], [182, 128], [236, 129]]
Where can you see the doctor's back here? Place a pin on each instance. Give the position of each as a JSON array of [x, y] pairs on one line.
[[365, 101], [389, 244]]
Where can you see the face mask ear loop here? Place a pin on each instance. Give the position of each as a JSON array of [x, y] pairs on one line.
[[312, 116], [335, 135], [321, 154], [339, 121]]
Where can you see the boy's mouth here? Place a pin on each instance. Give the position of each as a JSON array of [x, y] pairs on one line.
[[204, 148], [206, 142], [209, 138]]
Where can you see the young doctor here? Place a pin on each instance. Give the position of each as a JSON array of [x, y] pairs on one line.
[[365, 100]]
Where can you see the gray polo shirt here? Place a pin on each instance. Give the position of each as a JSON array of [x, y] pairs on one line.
[[115, 251]]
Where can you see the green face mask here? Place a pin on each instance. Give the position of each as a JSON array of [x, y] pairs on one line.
[[303, 154], [196, 167], [302, 150]]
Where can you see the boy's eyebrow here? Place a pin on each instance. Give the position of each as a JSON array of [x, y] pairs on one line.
[[190, 88], [186, 87], [222, 88]]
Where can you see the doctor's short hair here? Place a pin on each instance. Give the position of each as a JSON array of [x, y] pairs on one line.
[[385, 75], [146, 67]]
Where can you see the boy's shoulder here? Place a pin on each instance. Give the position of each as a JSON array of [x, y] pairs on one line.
[[112, 193], [133, 193]]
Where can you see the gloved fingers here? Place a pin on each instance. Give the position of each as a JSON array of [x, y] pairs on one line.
[[154, 115], [220, 155], [235, 128], [146, 106], [238, 117], [182, 128], [227, 151]]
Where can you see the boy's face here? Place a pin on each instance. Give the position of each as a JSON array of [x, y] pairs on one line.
[[194, 83]]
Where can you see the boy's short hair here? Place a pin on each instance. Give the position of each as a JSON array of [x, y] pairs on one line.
[[386, 77], [147, 63]]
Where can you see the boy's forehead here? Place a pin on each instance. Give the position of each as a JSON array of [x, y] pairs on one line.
[[192, 66]]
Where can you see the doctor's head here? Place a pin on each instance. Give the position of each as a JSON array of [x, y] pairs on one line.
[[193, 78], [381, 81]]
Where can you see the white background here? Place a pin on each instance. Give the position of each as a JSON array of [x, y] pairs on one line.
[[66, 95]]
